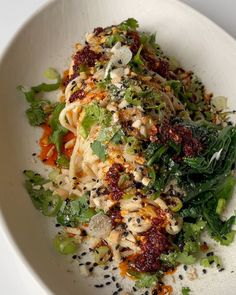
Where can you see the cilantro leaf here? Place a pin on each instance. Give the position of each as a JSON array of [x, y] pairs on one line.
[[129, 24], [99, 149], [186, 291], [93, 114]]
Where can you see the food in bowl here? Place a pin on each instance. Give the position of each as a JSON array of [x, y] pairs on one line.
[[142, 159]]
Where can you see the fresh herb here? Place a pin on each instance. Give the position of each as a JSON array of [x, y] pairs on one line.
[[75, 211], [186, 291], [94, 114], [58, 131], [99, 149], [129, 24], [40, 108]]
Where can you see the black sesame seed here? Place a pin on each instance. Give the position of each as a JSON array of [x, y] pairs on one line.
[[119, 290], [204, 271], [90, 269], [74, 256], [117, 247], [90, 249], [88, 263], [108, 283], [221, 269], [146, 293], [138, 220], [181, 277], [106, 267], [57, 225], [129, 219], [117, 285], [134, 289], [185, 267], [81, 264], [74, 177], [34, 154], [106, 276], [115, 268], [232, 271], [44, 160], [83, 254], [95, 264], [210, 254], [98, 286], [115, 293], [113, 279]]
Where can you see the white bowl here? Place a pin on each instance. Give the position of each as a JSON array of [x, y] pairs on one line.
[[47, 40]]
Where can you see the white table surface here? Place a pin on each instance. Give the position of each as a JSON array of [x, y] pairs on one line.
[[14, 279]]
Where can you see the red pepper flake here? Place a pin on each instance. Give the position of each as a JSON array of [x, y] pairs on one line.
[[155, 64], [112, 177], [78, 94], [86, 56], [135, 41], [98, 30], [154, 244], [115, 215], [179, 134]]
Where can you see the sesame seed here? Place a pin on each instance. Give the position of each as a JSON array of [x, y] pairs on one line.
[[98, 286], [204, 271], [106, 267], [115, 268], [185, 267], [34, 154], [74, 256], [210, 254], [106, 276], [134, 289], [117, 247], [117, 285], [88, 263], [81, 264], [108, 283], [181, 277], [57, 225], [115, 293], [221, 269], [138, 220], [74, 177], [113, 279], [120, 289], [95, 264], [83, 254], [129, 219], [146, 293], [90, 269]]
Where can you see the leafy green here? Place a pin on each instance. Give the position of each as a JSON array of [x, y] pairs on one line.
[[58, 131], [107, 133], [62, 161], [113, 39], [144, 280], [94, 114], [137, 62], [99, 149], [73, 212], [39, 109], [186, 291], [184, 258], [129, 24], [33, 185]]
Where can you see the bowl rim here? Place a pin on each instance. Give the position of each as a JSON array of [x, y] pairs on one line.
[[6, 233]]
